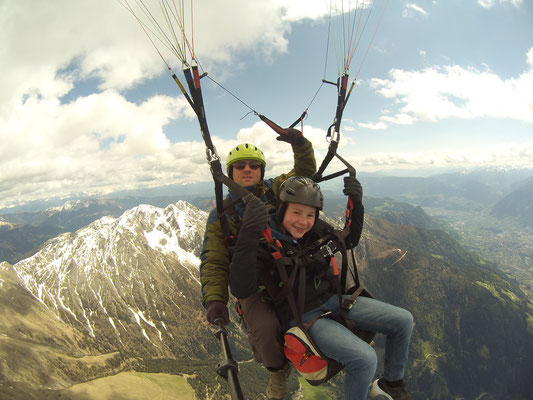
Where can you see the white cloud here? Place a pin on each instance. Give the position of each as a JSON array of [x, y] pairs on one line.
[[299, 9], [413, 7], [41, 39], [492, 3], [92, 52], [441, 92], [93, 144], [101, 39], [100, 141], [373, 126], [510, 155], [86, 150]]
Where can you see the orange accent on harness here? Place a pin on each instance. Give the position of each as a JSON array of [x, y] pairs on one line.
[[349, 209], [267, 234], [335, 266]]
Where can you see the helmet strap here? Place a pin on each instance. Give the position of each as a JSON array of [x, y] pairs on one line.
[[280, 212]]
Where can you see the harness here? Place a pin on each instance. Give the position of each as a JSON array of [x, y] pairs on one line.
[[292, 264]]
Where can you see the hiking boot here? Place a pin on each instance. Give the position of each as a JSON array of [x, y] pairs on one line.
[[277, 385], [380, 387]]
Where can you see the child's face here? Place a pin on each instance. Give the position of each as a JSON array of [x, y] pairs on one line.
[[298, 219]]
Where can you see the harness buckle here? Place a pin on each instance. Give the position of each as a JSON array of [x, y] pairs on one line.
[[347, 304], [229, 241], [211, 155], [328, 250]]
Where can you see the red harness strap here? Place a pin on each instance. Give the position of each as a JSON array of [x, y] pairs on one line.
[[334, 266], [349, 211], [274, 244]]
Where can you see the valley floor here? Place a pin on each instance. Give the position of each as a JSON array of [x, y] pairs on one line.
[[503, 242], [132, 386]]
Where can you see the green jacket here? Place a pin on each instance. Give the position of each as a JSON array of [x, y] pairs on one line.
[[216, 256]]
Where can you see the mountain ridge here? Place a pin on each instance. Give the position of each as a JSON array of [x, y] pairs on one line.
[[130, 284], [517, 205], [457, 349]]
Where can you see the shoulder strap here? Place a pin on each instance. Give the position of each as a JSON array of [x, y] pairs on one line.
[[228, 209], [287, 282], [271, 197], [297, 308]]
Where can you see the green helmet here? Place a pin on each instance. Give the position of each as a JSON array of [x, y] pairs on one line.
[[245, 151], [302, 190]]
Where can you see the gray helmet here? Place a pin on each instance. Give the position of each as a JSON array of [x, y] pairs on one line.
[[299, 189]]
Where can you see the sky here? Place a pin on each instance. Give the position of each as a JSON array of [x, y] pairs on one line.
[[88, 106]]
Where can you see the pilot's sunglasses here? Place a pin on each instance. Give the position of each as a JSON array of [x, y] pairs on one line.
[[242, 164]]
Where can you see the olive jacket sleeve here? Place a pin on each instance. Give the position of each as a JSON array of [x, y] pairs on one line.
[[304, 164], [215, 259]]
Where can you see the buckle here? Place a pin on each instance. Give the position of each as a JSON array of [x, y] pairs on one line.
[[211, 155], [347, 304], [328, 250]]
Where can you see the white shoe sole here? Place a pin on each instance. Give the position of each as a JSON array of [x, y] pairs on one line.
[[376, 391]]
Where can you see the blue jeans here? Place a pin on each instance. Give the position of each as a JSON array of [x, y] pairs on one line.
[[358, 357]]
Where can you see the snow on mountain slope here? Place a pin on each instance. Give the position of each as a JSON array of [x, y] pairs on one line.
[[131, 281]]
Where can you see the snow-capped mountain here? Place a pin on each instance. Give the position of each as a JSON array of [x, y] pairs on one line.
[[72, 205], [124, 294], [130, 282]]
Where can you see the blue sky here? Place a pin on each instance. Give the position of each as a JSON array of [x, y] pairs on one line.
[[88, 107]]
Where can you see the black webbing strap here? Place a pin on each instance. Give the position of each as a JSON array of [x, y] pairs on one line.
[[192, 77], [343, 234], [342, 84], [286, 280], [332, 152], [355, 274], [193, 82], [297, 308], [348, 302], [342, 98], [220, 178]]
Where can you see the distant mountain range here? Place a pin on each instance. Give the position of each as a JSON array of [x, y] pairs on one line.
[[477, 188], [469, 191], [18, 240], [507, 194], [517, 205], [20, 233], [123, 293]]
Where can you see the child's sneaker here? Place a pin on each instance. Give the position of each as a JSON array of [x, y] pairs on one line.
[[380, 387]]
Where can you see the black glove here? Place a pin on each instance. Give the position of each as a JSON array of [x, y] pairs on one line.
[[353, 188], [217, 309], [293, 136], [255, 215]]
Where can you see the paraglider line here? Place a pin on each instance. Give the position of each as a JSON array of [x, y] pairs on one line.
[[234, 96]]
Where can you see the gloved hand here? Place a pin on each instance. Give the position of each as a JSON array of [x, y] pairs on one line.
[[353, 188], [255, 215], [215, 309], [293, 136]]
